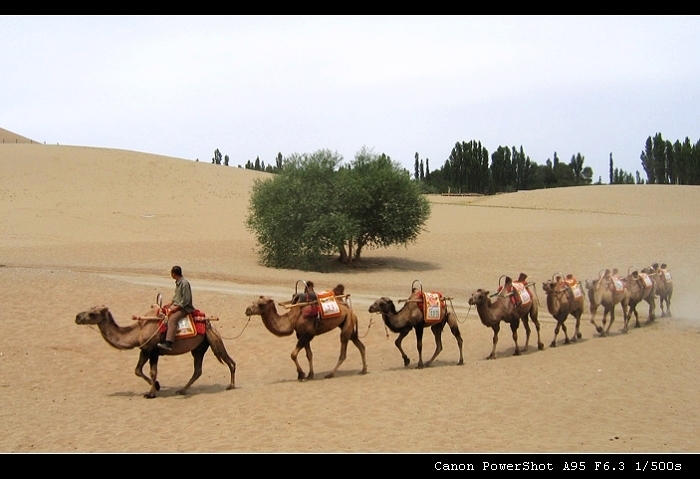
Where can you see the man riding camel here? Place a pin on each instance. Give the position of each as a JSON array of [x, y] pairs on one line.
[[178, 308]]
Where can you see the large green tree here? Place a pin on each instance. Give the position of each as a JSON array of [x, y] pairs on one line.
[[318, 206]]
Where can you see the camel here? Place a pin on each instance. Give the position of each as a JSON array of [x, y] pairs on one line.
[[563, 301], [601, 291], [640, 288], [411, 317], [664, 286], [502, 308], [143, 334], [307, 328]]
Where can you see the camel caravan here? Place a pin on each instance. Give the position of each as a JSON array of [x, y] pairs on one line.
[[309, 314]]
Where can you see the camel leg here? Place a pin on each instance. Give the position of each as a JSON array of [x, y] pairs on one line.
[[398, 341], [437, 332], [652, 306], [310, 359], [361, 347], [514, 328], [153, 361], [198, 355], [496, 328], [553, 344], [341, 358], [219, 349], [536, 322], [143, 358], [526, 325], [577, 334], [454, 328], [599, 329], [566, 333], [303, 343], [611, 312], [419, 345]]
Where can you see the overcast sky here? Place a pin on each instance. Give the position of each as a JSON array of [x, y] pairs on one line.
[[256, 86]]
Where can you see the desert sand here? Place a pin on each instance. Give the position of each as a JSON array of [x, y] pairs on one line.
[[82, 226]]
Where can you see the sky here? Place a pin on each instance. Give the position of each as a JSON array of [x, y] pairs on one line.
[[256, 86]]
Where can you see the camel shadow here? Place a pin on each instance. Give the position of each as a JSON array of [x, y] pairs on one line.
[[321, 376], [171, 391]]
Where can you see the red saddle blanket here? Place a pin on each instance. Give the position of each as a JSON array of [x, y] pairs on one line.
[[188, 327]]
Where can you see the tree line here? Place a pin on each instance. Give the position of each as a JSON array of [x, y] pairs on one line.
[[470, 169]]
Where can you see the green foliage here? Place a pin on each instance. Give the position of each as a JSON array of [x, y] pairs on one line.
[[667, 163], [316, 206]]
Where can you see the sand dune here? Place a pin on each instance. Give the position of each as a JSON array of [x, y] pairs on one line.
[[86, 226]]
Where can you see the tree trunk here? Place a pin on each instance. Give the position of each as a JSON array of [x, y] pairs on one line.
[[343, 254]]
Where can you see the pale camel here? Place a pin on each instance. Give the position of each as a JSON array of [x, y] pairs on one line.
[[143, 334], [640, 288], [502, 308], [602, 291], [411, 317], [563, 301], [306, 328], [664, 287]]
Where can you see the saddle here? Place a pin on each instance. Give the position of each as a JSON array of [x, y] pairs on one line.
[[574, 286], [516, 290], [325, 306], [188, 327], [432, 305]]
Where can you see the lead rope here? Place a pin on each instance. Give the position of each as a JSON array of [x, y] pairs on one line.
[[239, 334]]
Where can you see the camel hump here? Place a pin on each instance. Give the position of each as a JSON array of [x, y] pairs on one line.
[[339, 290]]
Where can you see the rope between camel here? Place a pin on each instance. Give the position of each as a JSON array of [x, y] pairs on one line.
[[239, 334]]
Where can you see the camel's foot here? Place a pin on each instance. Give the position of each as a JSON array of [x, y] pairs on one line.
[[420, 366], [637, 324], [301, 375], [230, 386], [599, 329], [157, 386], [461, 362], [517, 352], [568, 341], [491, 356], [181, 392], [149, 395], [364, 371], [330, 375], [579, 335], [540, 346], [406, 361], [553, 344]]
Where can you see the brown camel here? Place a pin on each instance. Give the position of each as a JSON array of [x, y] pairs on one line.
[[640, 288], [564, 300], [605, 291], [411, 317], [502, 308], [306, 328], [143, 334]]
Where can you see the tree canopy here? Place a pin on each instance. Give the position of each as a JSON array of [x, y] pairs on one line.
[[318, 206]]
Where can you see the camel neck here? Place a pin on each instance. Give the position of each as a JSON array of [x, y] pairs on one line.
[[118, 336]]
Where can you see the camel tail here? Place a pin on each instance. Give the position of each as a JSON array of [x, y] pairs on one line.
[[217, 343]]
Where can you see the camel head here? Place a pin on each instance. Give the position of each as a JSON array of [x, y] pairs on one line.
[[479, 296], [259, 306], [549, 286], [383, 305], [94, 315]]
